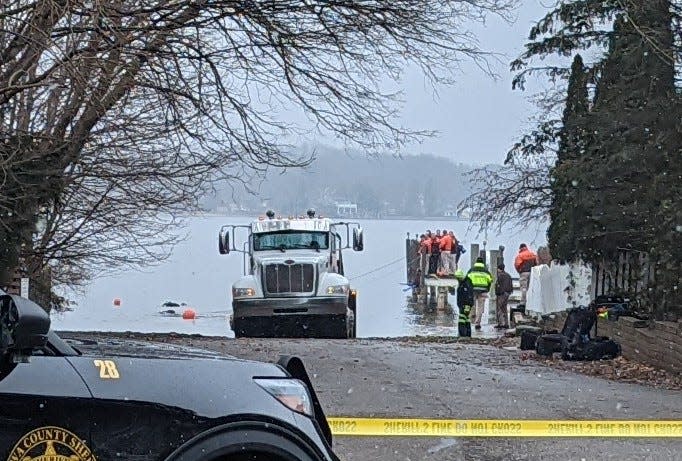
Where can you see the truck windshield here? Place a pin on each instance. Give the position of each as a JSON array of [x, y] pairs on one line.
[[291, 240]]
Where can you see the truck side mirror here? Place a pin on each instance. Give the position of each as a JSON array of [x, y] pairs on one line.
[[223, 242], [358, 243], [23, 327]]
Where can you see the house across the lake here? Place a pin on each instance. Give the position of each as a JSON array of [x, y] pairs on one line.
[[346, 208]]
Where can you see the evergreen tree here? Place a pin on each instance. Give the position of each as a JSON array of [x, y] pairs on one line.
[[666, 251], [616, 182], [629, 126], [565, 207]]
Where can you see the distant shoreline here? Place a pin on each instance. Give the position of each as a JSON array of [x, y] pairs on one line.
[[214, 214]]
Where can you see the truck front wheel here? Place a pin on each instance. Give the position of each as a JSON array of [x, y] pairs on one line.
[[353, 306], [239, 333]]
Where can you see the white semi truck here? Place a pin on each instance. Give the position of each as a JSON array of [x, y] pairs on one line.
[[293, 283]]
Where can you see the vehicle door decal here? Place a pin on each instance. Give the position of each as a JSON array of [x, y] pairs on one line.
[[107, 369], [51, 443]]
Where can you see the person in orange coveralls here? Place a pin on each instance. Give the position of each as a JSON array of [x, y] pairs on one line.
[[446, 253], [524, 262]]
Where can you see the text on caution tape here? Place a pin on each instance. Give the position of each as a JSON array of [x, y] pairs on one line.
[[502, 428]]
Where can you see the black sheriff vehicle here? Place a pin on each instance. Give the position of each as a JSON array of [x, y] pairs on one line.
[[58, 403]]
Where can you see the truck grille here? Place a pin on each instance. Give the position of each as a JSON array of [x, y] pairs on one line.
[[289, 278]]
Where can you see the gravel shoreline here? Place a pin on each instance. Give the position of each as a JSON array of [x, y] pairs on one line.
[[620, 369]]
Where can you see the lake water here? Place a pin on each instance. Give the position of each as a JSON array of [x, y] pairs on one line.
[[199, 276]]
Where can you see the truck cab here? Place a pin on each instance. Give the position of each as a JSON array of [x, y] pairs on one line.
[[294, 282]]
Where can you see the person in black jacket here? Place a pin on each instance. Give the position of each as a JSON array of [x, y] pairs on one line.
[[465, 299], [503, 289]]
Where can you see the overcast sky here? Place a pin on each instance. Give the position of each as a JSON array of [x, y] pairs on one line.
[[478, 118]]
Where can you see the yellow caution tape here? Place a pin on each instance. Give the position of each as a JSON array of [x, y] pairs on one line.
[[502, 428]]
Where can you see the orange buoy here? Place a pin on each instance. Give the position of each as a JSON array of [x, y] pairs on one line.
[[117, 302], [189, 314]]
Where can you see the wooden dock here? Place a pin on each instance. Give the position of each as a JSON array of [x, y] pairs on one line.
[[431, 290], [438, 289]]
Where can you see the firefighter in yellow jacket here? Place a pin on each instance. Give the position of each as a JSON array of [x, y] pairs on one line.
[[482, 280]]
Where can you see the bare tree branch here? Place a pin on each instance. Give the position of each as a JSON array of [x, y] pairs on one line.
[[116, 115]]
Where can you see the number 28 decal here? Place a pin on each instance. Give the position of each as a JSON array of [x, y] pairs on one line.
[[107, 369]]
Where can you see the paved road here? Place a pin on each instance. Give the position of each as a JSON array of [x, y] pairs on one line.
[[384, 378]]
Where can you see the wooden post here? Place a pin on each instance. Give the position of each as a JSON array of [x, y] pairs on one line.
[[413, 266], [423, 269], [411, 259], [492, 304], [474, 253], [494, 254], [441, 298]]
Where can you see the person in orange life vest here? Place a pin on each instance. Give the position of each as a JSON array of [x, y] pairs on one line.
[[446, 253], [454, 255], [525, 260]]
